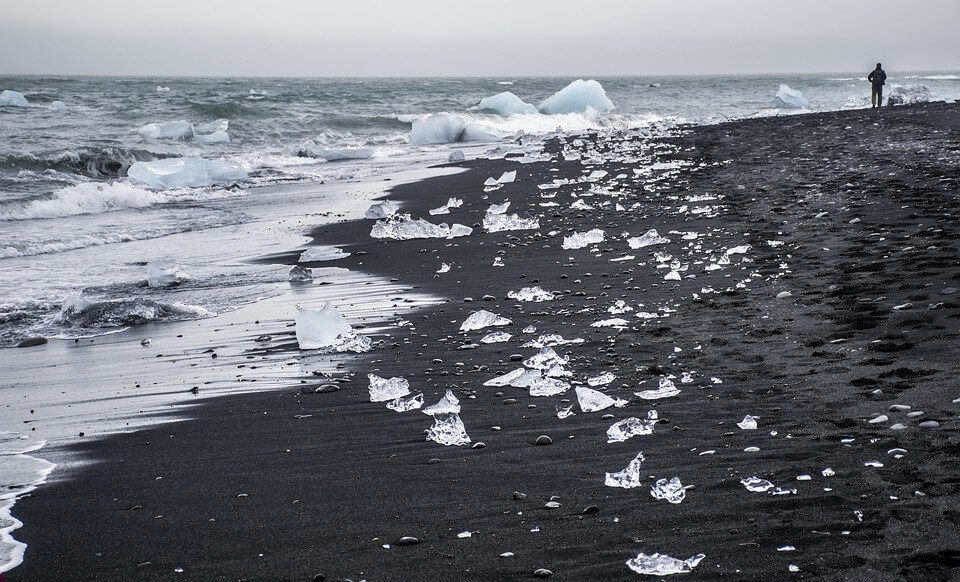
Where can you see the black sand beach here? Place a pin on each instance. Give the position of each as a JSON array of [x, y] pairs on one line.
[[844, 305]]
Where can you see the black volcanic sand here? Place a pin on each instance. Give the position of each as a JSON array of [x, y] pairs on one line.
[[817, 336]]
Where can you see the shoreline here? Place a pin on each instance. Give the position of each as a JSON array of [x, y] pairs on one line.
[[357, 476]]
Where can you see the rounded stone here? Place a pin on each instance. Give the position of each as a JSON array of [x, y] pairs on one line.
[[479, 445], [407, 541], [929, 424], [542, 573], [591, 509], [516, 357], [510, 401], [543, 440]]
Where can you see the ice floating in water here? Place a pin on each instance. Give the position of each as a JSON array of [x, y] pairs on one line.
[[450, 128], [662, 564], [501, 222], [495, 337], [13, 99], [546, 359], [171, 130], [382, 389], [186, 173], [790, 98], [219, 136], [165, 273], [649, 238], [535, 294], [631, 427], [507, 104], [748, 423], [601, 380], [447, 405], [481, 319], [665, 389], [383, 209], [591, 400], [909, 95], [406, 403], [629, 477], [402, 227], [448, 430], [578, 240], [671, 491], [323, 253], [578, 97], [300, 274], [319, 328]]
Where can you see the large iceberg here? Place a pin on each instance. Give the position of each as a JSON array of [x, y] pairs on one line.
[[186, 173], [181, 129], [790, 98], [507, 104], [13, 99], [909, 94], [320, 328], [578, 97]]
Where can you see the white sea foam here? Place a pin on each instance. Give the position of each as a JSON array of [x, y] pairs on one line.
[[20, 474]]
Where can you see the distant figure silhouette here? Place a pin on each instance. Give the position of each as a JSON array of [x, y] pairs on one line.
[[877, 77]]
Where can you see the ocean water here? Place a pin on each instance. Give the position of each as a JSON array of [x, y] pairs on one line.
[[76, 229]]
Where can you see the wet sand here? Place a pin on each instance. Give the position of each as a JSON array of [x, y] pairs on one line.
[[843, 306]]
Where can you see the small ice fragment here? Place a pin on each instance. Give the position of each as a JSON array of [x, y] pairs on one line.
[[458, 230], [440, 210], [662, 564], [672, 276], [519, 378], [530, 329], [616, 322], [319, 328], [671, 491], [591, 400], [465, 534], [578, 240], [501, 222], [552, 339], [406, 403], [739, 250], [631, 427], [498, 262], [619, 306], [481, 319], [447, 405], [649, 238], [495, 337], [666, 389], [444, 268], [351, 342], [402, 227], [498, 208], [756, 484], [877, 464], [564, 410], [601, 380], [507, 177], [790, 98], [752, 450], [828, 472], [165, 273], [793, 568], [300, 274], [804, 478], [454, 202], [786, 549], [322, 253], [629, 477], [545, 359], [579, 204], [748, 423], [448, 430], [548, 387], [534, 294], [382, 389]]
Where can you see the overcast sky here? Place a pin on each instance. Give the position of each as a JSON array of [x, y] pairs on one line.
[[485, 37]]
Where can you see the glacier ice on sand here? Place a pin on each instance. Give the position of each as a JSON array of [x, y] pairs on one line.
[[383, 389], [578, 240], [649, 238], [319, 328], [671, 491], [630, 427], [591, 400], [406, 403], [535, 294], [481, 319], [383, 209], [629, 477], [665, 389], [448, 430], [662, 564], [449, 404]]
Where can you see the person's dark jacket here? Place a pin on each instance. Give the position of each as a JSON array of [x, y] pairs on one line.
[[877, 77]]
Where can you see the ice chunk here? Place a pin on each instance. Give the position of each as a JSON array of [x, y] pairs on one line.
[[383, 209], [13, 99], [171, 130], [790, 98], [165, 273], [534, 294], [351, 342], [444, 268], [454, 202], [579, 204], [671, 491], [601, 380], [219, 136], [548, 387], [619, 306], [439, 210], [402, 227], [497, 208], [909, 95], [565, 411], [631, 427], [456, 156], [448, 430], [444, 128], [406, 403], [458, 230], [447, 405], [481, 319], [507, 177], [578, 240], [756, 484], [300, 274], [737, 250], [748, 423], [577, 97], [495, 337], [501, 222], [592, 400], [519, 378], [322, 253], [665, 389], [186, 173], [382, 389], [662, 564], [545, 359], [338, 154], [319, 328], [507, 104], [629, 477], [552, 339], [649, 238], [617, 322]]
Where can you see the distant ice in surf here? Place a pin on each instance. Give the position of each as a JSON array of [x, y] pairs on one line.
[[13, 99], [186, 173], [790, 98], [909, 94], [578, 97], [165, 273], [451, 128], [507, 104]]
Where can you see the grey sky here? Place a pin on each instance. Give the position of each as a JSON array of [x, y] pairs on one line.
[[487, 37]]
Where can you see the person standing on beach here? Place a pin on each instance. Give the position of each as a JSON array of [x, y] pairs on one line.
[[877, 77]]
